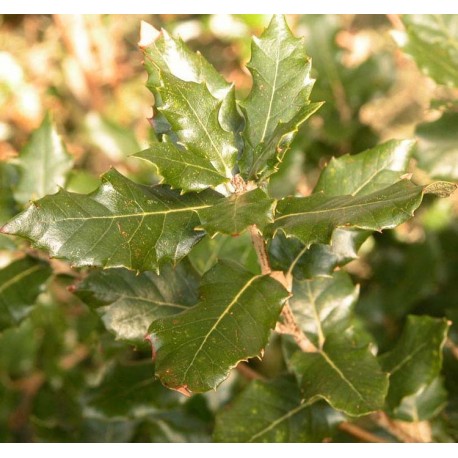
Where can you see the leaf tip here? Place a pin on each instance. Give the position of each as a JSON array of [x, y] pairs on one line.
[[441, 188], [148, 35]]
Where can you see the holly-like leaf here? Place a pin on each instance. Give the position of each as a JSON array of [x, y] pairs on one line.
[[325, 306], [359, 174], [279, 99], [121, 224], [129, 303], [416, 360], [274, 412], [431, 39], [234, 214], [8, 205], [312, 219], [366, 172], [20, 284], [437, 150], [196, 349], [346, 375], [43, 164]]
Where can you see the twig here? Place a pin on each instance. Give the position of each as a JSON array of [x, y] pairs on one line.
[[403, 431], [248, 372], [361, 433], [452, 347], [260, 248]]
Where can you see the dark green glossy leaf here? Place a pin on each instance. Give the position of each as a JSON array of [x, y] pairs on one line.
[[234, 214], [121, 224], [197, 348], [20, 284], [8, 206], [129, 303], [437, 150], [366, 172], [416, 360], [346, 375], [279, 99], [312, 219], [43, 164], [274, 412], [325, 306], [431, 39]]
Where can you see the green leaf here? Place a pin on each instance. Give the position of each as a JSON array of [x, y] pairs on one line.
[[346, 375], [359, 174], [312, 219], [273, 412], [437, 150], [20, 284], [325, 306], [238, 249], [366, 172], [423, 405], [8, 206], [432, 40], [234, 214], [121, 224], [43, 164], [129, 303], [197, 348], [317, 260], [128, 390], [279, 99], [199, 107], [416, 360]]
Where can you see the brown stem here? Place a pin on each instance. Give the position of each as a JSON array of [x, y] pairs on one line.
[[260, 248], [405, 432], [248, 372], [360, 433]]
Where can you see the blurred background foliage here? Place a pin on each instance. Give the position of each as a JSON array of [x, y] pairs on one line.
[[62, 376]]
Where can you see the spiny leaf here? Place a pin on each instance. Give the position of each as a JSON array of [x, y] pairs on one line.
[[198, 112], [346, 375], [279, 99], [197, 348], [312, 219], [366, 172], [129, 303], [325, 306], [20, 284], [416, 360], [43, 164], [273, 412], [234, 214], [432, 40], [359, 174], [121, 224]]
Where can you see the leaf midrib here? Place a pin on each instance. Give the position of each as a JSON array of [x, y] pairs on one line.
[[18, 277], [218, 321]]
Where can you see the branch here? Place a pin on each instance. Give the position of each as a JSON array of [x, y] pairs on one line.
[[360, 433]]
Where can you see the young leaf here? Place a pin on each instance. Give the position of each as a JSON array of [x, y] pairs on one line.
[[234, 214], [121, 224], [431, 40], [324, 306], [416, 360], [273, 412], [129, 303], [43, 164], [279, 99], [196, 349], [312, 219], [20, 284], [348, 377]]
